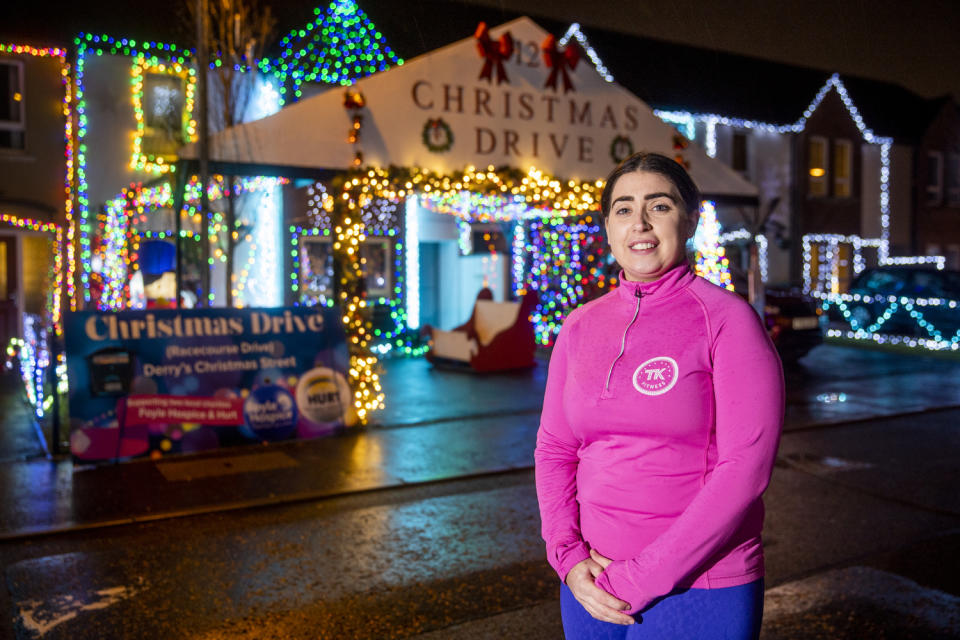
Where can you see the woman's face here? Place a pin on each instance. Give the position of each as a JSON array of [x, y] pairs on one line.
[[648, 225]]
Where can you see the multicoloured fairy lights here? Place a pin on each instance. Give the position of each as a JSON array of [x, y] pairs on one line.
[[567, 268], [55, 292], [129, 216], [339, 46], [69, 222], [382, 225], [712, 262], [32, 352], [92, 46], [187, 129]]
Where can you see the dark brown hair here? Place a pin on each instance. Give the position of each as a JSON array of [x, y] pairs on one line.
[[653, 163]]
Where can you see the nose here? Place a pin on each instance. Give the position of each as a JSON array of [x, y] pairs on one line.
[[643, 220]]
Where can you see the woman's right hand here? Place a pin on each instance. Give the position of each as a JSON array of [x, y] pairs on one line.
[[598, 603]]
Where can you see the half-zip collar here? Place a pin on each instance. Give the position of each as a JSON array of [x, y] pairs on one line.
[[666, 286]]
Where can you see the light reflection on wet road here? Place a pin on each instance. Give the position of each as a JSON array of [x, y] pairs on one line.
[[402, 561]]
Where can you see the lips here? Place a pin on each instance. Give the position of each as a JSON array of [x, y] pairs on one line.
[[643, 245]]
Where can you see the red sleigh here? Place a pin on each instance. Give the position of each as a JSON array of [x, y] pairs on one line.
[[498, 336]]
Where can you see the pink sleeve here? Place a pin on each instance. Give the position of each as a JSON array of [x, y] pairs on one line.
[[748, 396], [556, 471]]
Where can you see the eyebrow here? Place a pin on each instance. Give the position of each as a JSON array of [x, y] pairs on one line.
[[649, 196]]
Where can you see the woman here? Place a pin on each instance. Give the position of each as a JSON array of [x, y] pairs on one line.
[[660, 425]]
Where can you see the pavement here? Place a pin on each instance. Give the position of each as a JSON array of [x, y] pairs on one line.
[[438, 424]]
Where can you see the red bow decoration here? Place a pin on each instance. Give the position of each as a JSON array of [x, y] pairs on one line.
[[494, 52], [559, 61]]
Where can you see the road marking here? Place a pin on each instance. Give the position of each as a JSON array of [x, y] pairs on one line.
[[38, 617]]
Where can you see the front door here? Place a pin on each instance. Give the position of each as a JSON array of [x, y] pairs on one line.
[[9, 326]]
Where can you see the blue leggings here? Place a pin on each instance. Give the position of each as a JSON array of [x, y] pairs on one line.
[[731, 613]]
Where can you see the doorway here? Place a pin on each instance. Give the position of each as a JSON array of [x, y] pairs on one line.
[[9, 318]]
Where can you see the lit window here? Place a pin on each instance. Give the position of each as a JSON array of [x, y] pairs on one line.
[[12, 120], [163, 114], [817, 166], [842, 168], [953, 180], [375, 262], [934, 178]]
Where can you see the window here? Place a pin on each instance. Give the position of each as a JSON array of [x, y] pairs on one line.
[[934, 178], [316, 269], [375, 256], [12, 120], [817, 166], [953, 180], [740, 152], [842, 168], [163, 118]]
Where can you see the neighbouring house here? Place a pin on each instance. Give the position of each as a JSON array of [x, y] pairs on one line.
[[36, 162]]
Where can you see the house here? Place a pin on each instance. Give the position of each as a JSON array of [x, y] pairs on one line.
[[936, 196], [135, 108], [456, 122], [36, 158]]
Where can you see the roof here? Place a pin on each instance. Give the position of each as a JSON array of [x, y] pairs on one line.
[[567, 135], [665, 75], [671, 76]]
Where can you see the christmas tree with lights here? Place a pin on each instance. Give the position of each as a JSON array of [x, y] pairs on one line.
[[712, 262], [339, 46]]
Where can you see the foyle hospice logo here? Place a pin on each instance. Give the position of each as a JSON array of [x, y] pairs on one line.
[[270, 413], [656, 376]]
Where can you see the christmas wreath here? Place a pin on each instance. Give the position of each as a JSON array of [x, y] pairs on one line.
[[437, 135]]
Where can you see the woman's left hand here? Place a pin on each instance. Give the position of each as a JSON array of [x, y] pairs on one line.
[[599, 559], [604, 562]]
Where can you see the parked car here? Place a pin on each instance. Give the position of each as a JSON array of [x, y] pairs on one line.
[[793, 321], [932, 317]]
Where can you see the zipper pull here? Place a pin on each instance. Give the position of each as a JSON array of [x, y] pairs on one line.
[[638, 293]]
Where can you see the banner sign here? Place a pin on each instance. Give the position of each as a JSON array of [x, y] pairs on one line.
[[159, 381]]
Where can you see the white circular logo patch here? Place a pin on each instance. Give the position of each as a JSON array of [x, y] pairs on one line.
[[656, 376]]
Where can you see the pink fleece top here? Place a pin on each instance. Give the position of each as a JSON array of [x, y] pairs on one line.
[[660, 425]]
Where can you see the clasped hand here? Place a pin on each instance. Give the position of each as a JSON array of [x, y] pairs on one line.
[[581, 580]]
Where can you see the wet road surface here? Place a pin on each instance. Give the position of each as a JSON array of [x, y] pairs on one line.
[[450, 557], [862, 533]]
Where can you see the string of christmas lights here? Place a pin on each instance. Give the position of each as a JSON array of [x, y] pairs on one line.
[[87, 45], [119, 234], [712, 262], [68, 277], [339, 46], [761, 240], [867, 326], [573, 31], [143, 65], [381, 219], [567, 268], [55, 293]]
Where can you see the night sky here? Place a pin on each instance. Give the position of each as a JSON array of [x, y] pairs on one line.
[[914, 44]]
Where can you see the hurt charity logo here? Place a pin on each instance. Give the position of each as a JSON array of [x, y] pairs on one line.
[[656, 376]]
